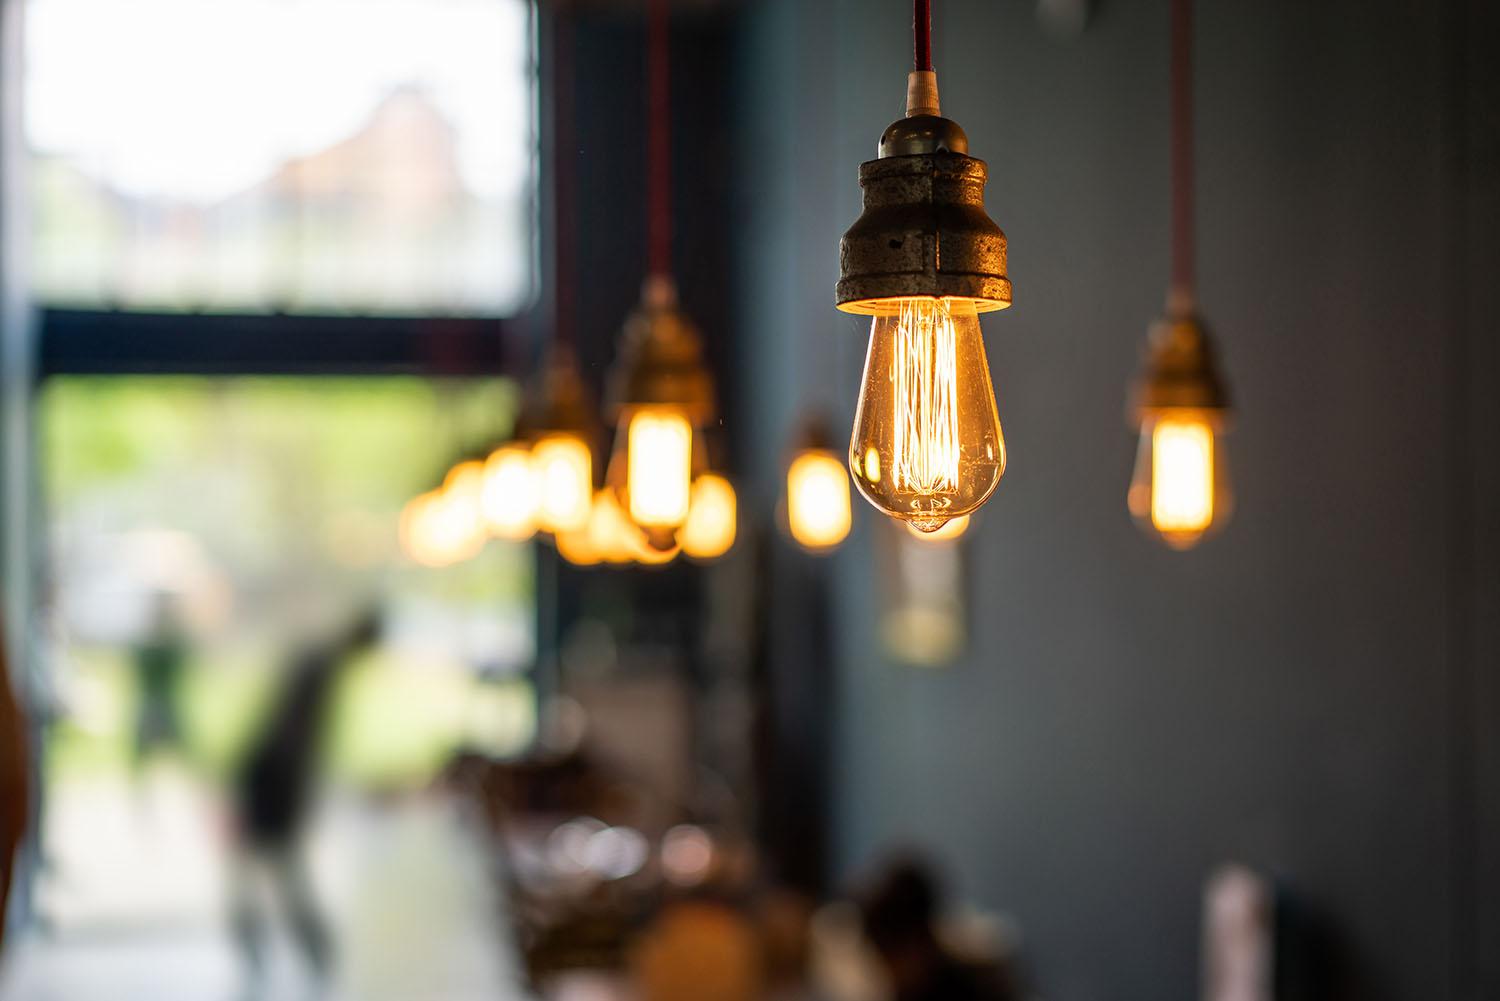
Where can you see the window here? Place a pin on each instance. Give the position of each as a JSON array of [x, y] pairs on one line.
[[314, 156]]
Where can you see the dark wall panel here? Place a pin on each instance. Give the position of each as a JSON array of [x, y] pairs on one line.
[[1128, 717]]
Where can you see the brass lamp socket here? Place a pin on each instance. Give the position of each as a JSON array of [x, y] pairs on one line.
[[661, 359], [924, 230], [559, 404], [1180, 371]]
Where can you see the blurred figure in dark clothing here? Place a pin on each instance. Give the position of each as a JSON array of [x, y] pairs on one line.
[[900, 910], [159, 663], [273, 790]]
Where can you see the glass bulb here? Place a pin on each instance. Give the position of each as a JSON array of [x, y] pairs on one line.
[[927, 445], [564, 470], [509, 496], [442, 526], [817, 500], [710, 527], [658, 467], [955, 528], [1180, 489], [610, 531]]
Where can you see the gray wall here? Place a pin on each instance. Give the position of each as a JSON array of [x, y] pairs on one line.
[[1314, 692]]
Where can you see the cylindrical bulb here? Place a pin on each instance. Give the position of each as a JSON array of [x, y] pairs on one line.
[[1180, 489], [710, 527], [658, 467], [927, 445], [508, 498], [563, 468], [817, 500]]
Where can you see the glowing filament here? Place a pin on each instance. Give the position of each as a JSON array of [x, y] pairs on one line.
[[1182, 476], [564, 471], [924, 373], [659, 469]]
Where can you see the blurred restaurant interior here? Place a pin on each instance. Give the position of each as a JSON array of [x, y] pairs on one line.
[[508, 499]]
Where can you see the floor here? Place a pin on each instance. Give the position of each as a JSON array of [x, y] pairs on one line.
[[142, 917]]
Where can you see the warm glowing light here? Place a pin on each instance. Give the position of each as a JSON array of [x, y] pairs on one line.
[[1182, 476], [954, 528], [577, 547], [927, 445], [563, 468], [710, 527], [817, 499], [609, 529], [508, 498], [659, 467], [439, 528], [1179, 489]]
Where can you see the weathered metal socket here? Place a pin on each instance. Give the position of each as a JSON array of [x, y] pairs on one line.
[[924, 230], [661, 360], [1180, 370], [559, 404]]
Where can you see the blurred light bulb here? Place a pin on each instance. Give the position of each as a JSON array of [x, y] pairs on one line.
[[1180, 487], [610, 531], [950, 531], [817, 499], [439, 528], [927, 445], [508, 498], [710, 527], [563, 467], [577, 547], [659, 466]]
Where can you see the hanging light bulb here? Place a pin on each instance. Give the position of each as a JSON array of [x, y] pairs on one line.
[[610, 530], [817, 492], [711, 523], [661, 395], [557, 420], [924, 260], [1180, 489], [508, 497]]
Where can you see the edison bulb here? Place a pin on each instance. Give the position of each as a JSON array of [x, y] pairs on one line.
[[817, 500], [927, 445], [610, 531], [658, 467], [1180, 487], [439, 528], [710, 527], [509, 496], [564, 470]]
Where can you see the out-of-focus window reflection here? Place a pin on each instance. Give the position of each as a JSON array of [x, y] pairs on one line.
[[203, 534], [366, 156]]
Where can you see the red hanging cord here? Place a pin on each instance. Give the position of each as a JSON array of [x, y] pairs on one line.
[[565, 155], [659, 142], [1183, 278], [921, 30]]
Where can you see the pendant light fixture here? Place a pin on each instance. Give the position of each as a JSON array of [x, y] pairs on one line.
[[661, 395], [924, 260], [557, 420], [817, 491], [1180, 406]]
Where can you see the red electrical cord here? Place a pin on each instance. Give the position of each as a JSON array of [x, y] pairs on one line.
[[1182, 148], [659, 142], [921, 30]]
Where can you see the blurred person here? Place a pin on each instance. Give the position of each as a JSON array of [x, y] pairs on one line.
[[160, 661], [273, 795], [13, 783], [900, 911]]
